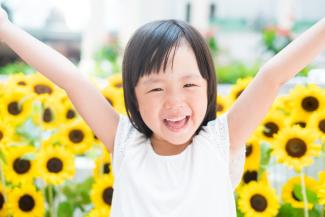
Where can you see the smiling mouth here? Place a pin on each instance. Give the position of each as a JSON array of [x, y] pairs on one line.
[[177, 123]]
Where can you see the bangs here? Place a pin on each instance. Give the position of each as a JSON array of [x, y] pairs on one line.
[[164, 40]]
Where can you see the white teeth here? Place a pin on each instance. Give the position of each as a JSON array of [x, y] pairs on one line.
[[176, 119]]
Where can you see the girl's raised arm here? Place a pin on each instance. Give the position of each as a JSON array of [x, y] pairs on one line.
[[88, 101], [253, 104]]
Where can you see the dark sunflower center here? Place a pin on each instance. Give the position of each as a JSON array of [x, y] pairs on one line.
[[118, 85], [47, 115], [22, 83], [258, 202], [54, 165], [109, 101], [296, 147], [310, 104], [321, 126], [14, 108], [238, 94], [26, 203], [2, 200], [41, 89], [70, 114], [249, 150], [106, 168], [107, 195], [76, 136], [219, 107], [250, 176], [301, 124], [294, 196], [270, 128], [21, 166], [1, 135]]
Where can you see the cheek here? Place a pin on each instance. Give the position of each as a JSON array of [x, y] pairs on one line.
[[200, 104], [148, 109]]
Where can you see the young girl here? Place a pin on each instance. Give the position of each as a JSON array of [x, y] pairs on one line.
[[171, 155]]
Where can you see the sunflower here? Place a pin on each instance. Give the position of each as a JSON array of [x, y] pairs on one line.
[[102, 192], [223, 104], [26, 202], [307, 100], [321, 188], [116, 81], [120, 108], [19, 168], [18, 80], [103, 165], [271, 125], [258, 200], [252, 175], [294, 146], [41, 87], [317, 122], [298, 119], [239, 87], [288, 194], [52, 141], [2, 89], [69, 111], [16, 106], [103, 211], [6, 133], [113, 96], [77, 136], [3, 202], [56, 164], [282, 103], [253, 152], [51, 114]]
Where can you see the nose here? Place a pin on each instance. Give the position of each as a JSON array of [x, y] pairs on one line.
[[174, 101]]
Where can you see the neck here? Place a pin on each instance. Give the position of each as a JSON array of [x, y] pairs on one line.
[[162, 147]]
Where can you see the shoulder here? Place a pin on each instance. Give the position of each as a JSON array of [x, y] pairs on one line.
[[217, 129], [125, 131]]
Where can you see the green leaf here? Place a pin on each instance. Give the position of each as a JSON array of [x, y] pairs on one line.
[[285, 210], [311, 196], [78, 193], [65, 209], [14, 68], [3, 157], [265, 158], [47, 193]]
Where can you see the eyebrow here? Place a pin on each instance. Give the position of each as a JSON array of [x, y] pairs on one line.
[[157, 80]]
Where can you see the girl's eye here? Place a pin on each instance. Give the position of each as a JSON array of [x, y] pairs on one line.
[[189, 85], [156, 89]]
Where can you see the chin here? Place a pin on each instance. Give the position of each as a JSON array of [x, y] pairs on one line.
[[180, 140]]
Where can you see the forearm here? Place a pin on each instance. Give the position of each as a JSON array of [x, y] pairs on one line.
[[44, 59], [297, 54]]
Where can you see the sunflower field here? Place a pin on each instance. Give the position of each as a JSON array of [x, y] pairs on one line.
[[284, 172], [42, 136]]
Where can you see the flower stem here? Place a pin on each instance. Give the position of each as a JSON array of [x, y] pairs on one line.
[[304, 193], [3, 182], [51, 201]]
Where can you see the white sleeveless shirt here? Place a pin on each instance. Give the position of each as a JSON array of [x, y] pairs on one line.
[[198, 182]]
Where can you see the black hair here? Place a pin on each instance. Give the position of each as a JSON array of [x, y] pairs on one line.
[[148, 50]]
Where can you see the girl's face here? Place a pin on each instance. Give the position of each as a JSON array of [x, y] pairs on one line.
[[173, 103]]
